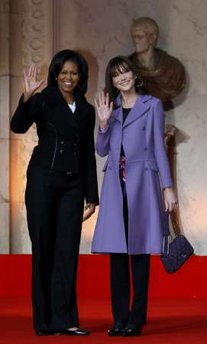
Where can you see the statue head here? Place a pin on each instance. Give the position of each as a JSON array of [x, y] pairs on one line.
[[144, 32]]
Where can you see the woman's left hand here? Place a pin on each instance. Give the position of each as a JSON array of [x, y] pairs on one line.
[[170, 199], [89, 209]]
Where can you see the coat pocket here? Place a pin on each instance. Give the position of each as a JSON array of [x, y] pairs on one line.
[[153, 166]]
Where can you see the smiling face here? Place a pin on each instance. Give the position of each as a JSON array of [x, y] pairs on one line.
[[68, 79], [123, 79]]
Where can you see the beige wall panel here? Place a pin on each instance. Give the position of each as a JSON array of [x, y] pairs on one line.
[[4, 128], [31, 42]]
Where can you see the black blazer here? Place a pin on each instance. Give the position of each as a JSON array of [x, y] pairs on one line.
[[66, 140]]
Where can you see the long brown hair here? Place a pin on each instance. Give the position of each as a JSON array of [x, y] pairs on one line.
[[118, 64]]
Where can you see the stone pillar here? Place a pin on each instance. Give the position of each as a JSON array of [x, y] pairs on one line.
[[31, 41], [4, 127]]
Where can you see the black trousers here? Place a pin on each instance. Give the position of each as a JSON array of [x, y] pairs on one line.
[[54, 202], [126, 313]]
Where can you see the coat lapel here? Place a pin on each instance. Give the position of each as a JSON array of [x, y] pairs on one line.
[[140, 107], [117, 112], [60, 108], [81, 107]]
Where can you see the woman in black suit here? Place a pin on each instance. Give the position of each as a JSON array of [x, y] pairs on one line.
[[60, 175]]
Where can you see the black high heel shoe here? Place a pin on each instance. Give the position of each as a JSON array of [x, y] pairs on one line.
[[75, 332], [132, 331], [115, 331]]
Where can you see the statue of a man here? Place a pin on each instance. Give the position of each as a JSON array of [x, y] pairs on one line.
[[163, 75]]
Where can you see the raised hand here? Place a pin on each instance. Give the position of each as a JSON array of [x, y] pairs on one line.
[[104, 109], [30, 81]]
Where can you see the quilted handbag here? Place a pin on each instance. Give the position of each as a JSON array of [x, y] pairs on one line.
[[175, 253]]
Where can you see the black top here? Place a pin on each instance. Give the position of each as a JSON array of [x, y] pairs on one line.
[[125, 114]]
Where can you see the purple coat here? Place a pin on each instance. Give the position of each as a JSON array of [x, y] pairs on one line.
[[147, 172]]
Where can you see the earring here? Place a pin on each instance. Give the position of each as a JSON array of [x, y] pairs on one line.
[[139, 82]]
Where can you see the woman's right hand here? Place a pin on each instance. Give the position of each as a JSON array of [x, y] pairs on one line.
[[170, 200], [104, 109], [30, 82]]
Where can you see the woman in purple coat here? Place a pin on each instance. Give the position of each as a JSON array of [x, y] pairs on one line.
[[137, 189]]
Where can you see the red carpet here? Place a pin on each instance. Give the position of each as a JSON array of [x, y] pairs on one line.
[[177, 306], [170, 322], [93, 277]]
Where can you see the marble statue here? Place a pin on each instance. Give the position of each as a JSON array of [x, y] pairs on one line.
[[163, 75]]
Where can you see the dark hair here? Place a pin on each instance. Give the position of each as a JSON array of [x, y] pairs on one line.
[[57, 63], [119, 64]]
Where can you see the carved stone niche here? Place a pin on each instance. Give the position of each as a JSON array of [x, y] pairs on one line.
[[4, 126], [31, 41]]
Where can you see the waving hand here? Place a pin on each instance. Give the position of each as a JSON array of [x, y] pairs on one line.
[[104, 109], [30, 82]]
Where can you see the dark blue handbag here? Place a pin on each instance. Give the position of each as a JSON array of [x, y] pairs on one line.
[[176, 252]]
